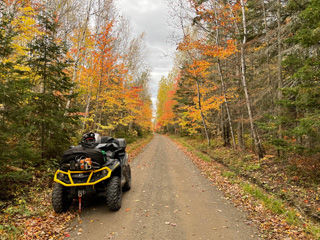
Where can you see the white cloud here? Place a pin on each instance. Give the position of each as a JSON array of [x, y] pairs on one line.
[[140, 6], [149, 16]]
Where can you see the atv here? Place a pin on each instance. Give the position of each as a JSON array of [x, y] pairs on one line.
[[97, 167]]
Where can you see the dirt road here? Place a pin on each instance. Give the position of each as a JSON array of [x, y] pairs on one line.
[[169, 199]]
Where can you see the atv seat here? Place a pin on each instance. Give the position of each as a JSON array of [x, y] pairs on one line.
[[121, 142], [106, 139]]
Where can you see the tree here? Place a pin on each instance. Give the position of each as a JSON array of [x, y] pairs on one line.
[[301, 90], [15, 85], [256, 138], [51, 82]]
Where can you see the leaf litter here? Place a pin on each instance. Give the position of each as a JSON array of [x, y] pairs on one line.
[[271, 225]]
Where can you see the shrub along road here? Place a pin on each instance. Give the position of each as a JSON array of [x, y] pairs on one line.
[[169, 199]]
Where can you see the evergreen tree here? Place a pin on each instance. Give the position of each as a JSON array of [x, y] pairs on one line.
[[14, 91], [49, 65], [15, 148], [5, 67], [301, 93]]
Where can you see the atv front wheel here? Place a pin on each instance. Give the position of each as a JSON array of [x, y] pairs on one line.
[[114, 193], [60, 201], [127, 175]]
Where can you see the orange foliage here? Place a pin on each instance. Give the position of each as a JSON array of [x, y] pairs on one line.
[[202, 51], [104, 83]]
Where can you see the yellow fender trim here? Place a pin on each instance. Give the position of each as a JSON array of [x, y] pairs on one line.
[[88, 183]]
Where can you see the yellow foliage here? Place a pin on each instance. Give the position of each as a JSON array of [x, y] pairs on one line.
[[25, 25]]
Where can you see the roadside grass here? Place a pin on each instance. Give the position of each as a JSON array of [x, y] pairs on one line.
[[272, 203], [277, 185], [29, 215]]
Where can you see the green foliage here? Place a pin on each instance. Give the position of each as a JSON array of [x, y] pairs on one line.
[[54, 122], [13, 183], [14, 90], [300, 117], [35, 125], [184, 94], [19, 176], [203, 157], [271, 203], [275, 205], [228, 174]]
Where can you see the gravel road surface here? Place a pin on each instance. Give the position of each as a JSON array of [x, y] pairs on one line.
[[169, 199]]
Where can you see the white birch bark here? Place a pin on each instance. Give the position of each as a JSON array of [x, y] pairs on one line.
[[257, 141]]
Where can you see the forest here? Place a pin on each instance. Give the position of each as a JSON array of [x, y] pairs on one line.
[[246, 72], [66, 67]]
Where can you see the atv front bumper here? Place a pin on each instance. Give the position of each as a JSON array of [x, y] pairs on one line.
[[82, 178]]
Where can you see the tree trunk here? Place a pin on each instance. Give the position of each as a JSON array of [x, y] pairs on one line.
[[43, 103], [77, 58], [202, 116], [100, 117], [267, 39], [226, 104], [224, 89], [257, 141], [280, 82], [86, 111]]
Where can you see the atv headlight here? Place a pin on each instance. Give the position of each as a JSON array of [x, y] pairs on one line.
[[61, 175], [104, 172]]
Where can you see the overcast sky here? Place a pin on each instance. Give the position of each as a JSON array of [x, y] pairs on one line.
[[150, 16]]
